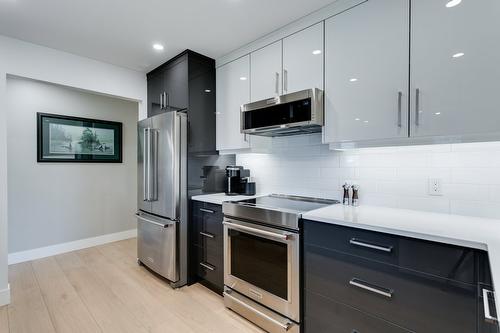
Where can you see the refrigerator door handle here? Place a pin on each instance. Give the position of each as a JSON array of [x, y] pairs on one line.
[[149, 165], [145, 165], [154, 165]]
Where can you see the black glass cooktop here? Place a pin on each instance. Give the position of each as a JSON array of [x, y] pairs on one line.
[[289, 203]]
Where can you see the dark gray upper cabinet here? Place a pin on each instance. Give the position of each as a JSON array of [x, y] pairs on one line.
[[187, 82]]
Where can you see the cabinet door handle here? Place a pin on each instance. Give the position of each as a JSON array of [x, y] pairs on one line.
[[207, 210], [285, 80], [166, 100], [210, 268], [371, 287], [486, 305], [417, 107], [206, 234], [358, 242], [400, 98], [277, 83], [161, 101]]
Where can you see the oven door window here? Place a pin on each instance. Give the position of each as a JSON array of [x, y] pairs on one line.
[[261, 262]]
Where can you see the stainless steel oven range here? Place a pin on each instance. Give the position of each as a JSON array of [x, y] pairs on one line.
[[262, 259]]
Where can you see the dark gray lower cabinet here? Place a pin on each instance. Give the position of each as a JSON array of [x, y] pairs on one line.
[[327, 316], [207, 245], [360, 287]]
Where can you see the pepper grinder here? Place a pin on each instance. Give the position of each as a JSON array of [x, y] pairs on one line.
[[345, 200], [355, 196]]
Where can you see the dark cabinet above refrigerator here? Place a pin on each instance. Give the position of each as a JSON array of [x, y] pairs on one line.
[[187, 82]]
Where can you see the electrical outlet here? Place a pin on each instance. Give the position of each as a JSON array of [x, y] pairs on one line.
[[435, 186]]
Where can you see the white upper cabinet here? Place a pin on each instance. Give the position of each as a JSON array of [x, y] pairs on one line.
[[266, 68], [303, 59], [366, 72], [233, 90], [455, 66]]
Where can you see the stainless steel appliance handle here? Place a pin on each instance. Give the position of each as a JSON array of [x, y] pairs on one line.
[[207, 266], [206, 234], [369, 287], [486, 305], [149, 164], [163, 225], [166, 99], [276, 83], [400, 98], [161, 101], [257, 231], [154, 164], [207, 210], [285, 327], [145, 166], [360, 243], [417, 107]]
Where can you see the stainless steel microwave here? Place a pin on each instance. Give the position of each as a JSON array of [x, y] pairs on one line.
[[291, 114]]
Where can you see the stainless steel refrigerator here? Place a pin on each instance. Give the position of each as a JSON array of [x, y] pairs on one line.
[[162, 195]]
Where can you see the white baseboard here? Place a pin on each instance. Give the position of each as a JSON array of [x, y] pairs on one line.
[[5, 296], [47, 251]]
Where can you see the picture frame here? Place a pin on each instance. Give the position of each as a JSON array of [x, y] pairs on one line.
[[70, 139]]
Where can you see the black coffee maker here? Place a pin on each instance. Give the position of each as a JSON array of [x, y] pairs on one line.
[[237, 181]]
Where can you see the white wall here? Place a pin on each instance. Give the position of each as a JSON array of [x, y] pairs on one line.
[[54, 203], [392, 176], [41, 63]]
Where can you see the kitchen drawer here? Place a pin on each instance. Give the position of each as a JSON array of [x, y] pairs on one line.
[[322, 315], [447, 261], [211, 255], [417, 301], [210, 269]]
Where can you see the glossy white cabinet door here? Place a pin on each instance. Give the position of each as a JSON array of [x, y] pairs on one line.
[[303, 59], [266, 67], [233, 90], [455, 65], [366, 72]]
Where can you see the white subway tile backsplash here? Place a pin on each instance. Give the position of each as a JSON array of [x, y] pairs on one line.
[[388, 176]]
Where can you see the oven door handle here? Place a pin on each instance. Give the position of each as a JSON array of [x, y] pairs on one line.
[[285, 237]]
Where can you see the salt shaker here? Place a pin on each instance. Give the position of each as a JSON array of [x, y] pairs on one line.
[[355, 195], [345, 200]]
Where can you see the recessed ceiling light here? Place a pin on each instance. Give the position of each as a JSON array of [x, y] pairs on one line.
[[458, 55], [158, 47], [353, 79], [437, 113], [357, 119], [243, 78], [365, 121], [316, 52], [453, 3], [208, 90]]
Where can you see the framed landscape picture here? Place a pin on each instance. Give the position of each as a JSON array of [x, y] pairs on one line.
[[72, 139]]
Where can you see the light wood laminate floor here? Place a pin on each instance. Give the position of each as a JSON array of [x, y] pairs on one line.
[[102, 289]]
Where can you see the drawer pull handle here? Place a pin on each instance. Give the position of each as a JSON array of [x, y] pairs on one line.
[[372, 288], [360, 243], [210, 268], [206, 234], [207, 210], [486, 305]]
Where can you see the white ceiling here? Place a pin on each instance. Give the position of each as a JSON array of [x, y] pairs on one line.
[[122, 32]]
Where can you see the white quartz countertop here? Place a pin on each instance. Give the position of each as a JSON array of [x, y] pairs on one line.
[[219, 198], [473, 232]]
